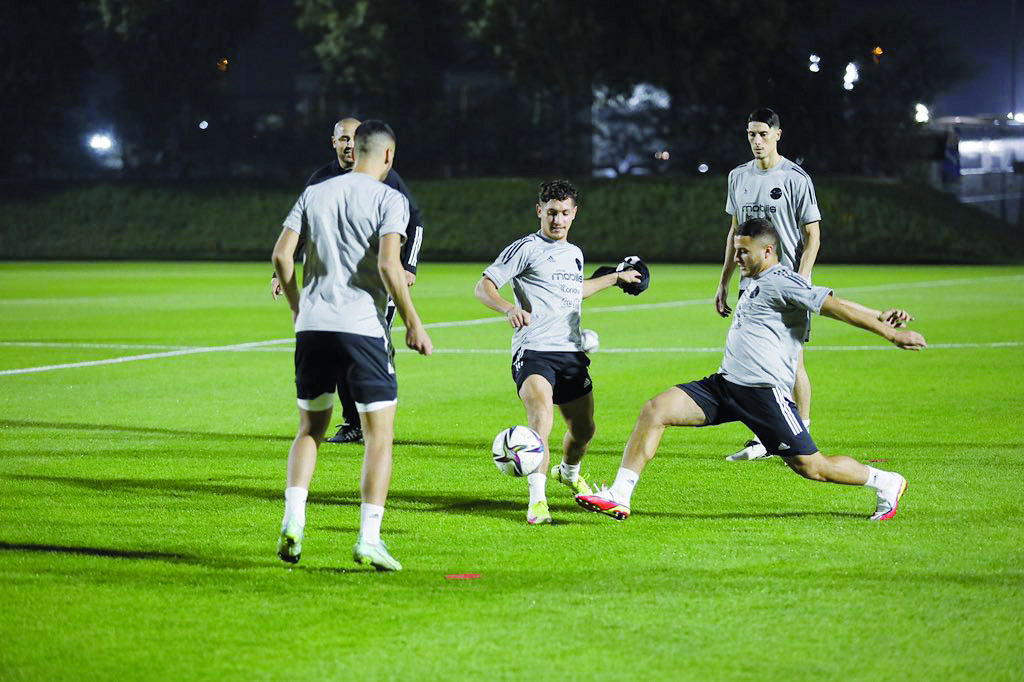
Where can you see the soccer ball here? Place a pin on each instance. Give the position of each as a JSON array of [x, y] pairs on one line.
[[590, 340], [517, 451]]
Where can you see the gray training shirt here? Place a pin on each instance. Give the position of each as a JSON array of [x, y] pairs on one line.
[[343, 219], [547, 280], [784, 194], [768, 329]]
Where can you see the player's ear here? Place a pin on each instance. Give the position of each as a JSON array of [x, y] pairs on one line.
[[540, 211]]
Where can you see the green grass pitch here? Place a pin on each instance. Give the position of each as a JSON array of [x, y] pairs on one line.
[[140, 500]]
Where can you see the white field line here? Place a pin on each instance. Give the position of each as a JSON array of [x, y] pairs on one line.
[[74, 344], [260, 345]]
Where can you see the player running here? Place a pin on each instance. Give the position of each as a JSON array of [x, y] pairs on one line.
[[753, 383], [548, 362], [353, 226]]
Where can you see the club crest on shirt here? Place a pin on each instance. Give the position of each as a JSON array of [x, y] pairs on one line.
[[776, 193]]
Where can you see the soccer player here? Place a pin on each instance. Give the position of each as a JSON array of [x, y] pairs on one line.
[[353, 226], [754, 381], [771, 186], [548, 362], [343, 141]]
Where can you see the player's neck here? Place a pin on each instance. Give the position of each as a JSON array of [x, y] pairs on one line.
[[769, 162], [375, 170]]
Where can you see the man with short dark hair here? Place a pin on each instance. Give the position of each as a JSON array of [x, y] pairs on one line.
[[341, 334], [343, 142], [548, 362], [772, 187], [756, 376]]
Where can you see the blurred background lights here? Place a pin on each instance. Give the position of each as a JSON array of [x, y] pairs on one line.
[[662, 155], [703, 168], [101, 142], [1019, 118], [814, 63], [852, 76], [203, 125], [921, 114], [222, 64]]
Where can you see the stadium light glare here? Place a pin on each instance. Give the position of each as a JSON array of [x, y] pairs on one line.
[[100, 142], [203, 125], [814, 59], [703, 168], [851, 76], [921, 113], [1019, 118], [815, 68]]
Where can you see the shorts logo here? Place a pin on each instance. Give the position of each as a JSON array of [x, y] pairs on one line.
[[783, 446], [579, 265], [775, 193]]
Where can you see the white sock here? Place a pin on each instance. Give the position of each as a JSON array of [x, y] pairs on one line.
[[570, 472], [625, 481], [877, 478], [370, 516], [295, 506], [537, 484]]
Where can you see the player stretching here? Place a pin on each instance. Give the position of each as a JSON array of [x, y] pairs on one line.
[[772, 187], [353, 227], [753, 383], [548, 362]]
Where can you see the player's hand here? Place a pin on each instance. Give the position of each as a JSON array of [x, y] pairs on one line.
[[721, 302], [410, 278], [418, 340], [517, 317], [630, 276], [909, 340], [895, 317], [275, 287]]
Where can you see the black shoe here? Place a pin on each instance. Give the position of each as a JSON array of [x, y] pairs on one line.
[[347, 434]]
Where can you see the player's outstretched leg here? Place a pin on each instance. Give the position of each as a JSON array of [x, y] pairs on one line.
[[673, 407], [579, 420], [369, 550], [888, 485]]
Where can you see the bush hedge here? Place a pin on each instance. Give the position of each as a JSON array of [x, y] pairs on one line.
[[661, 219]]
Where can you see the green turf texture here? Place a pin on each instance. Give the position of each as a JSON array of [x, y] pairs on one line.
[[140, 502]]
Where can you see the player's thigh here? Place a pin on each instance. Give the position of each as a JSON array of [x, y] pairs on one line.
[[379, 424], [674, 407], [536, 391], [314, 423]]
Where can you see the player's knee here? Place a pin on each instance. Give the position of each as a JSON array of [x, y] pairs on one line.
[[808, 467], [654, 413], [583, 430]]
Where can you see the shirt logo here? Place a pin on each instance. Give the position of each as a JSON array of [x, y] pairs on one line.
[[775, 193], [752, 293]]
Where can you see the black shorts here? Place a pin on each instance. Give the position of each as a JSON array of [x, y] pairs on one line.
[[768, 412], [566, 371], [323, 360]]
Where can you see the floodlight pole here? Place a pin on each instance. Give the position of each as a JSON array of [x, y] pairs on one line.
[[1013, 57]]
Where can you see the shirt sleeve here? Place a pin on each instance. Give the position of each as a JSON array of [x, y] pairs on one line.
[[296, 218], [514, 259], [730, 203], [797, 292], [806, 201], [394, 215], [414, 232]]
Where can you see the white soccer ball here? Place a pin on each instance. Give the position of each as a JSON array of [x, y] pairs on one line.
[[590, 340], [517, 451]]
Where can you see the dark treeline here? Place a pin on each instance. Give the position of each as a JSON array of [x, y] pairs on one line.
[[473, 87]]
